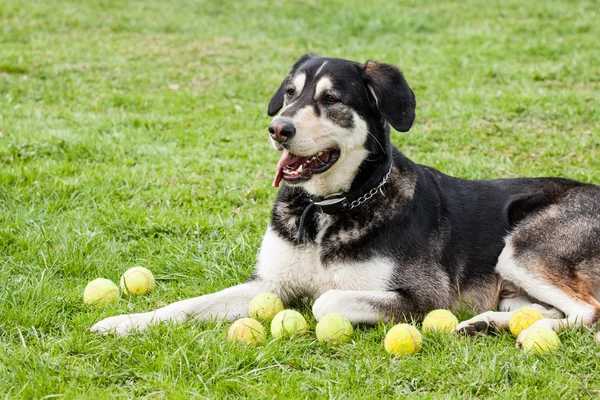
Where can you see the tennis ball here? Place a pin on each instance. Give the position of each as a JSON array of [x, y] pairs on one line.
[[403, 339], [287, 322], [334, 328], [440, 321], [264, 306], [137, 281], [247, 330], [99, 292], [540, 340], [523, 318]]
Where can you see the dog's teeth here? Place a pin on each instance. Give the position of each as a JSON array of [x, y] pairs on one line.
[[319, 153], [299, 170]]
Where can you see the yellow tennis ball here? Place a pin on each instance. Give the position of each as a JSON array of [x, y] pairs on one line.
[[247, 330], [440, 321], [540, 340], [334, 328], [137, 281], [403, 339], [99, 292], [288, 322], [264, 306], [523, 318]]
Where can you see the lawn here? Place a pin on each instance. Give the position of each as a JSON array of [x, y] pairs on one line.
[[134, 133]]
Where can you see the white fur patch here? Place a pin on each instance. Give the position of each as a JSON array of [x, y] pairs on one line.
[[299, 269], [320, 68], [323, 85], [299, 81]]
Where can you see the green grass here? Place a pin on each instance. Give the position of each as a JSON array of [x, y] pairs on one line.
[[135, 133]]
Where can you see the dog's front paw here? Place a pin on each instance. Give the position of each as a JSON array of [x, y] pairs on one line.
[[330, 302], [474, 326], [123, 324]]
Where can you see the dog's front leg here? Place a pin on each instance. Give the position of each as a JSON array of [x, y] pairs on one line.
[[227, 304], [366, 307]]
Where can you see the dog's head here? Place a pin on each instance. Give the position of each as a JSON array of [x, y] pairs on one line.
[[333, 118]]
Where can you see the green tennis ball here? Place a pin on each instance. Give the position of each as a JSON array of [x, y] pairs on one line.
[[541, 340], [137, 281], [288, 322], [100, 292], [440, 321], [264, 306], [334, 328], [403, 339], [522, 319], [247, 330]]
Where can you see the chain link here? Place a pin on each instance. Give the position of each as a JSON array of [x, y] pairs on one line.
[[367, 196]]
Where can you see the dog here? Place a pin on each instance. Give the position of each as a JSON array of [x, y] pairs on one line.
[[367, 233]]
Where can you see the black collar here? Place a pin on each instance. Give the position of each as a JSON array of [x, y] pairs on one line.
[[350, 200]]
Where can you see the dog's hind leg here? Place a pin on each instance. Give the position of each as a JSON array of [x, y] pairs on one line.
[[553, 256], [567, 289]]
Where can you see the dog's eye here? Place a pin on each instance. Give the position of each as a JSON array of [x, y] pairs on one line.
[[290, 91], [330, 99]]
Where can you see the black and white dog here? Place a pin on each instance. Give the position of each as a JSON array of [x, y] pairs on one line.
[[369, 234]]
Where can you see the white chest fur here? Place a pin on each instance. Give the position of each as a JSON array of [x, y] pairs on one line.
[[299, 270]]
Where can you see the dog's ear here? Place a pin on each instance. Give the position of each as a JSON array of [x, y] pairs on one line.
[[394, 99], [277, 100]]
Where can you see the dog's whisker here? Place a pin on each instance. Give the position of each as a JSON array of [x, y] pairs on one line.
[[373, 136]]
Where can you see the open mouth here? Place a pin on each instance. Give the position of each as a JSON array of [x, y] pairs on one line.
[[292, 168]]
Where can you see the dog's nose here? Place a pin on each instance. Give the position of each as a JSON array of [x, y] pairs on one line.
[[281, 130]]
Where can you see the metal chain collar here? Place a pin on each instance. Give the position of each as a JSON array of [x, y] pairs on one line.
[[367, 196]]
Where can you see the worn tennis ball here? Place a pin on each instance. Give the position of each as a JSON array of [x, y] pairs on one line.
[[334, 328], [403, 339], [440, 321], [522, 319], [137, 281], [540, 340], [288, 322], [247, 330], [264, 306], [99, 292]]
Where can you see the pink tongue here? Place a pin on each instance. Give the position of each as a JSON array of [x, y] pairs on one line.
[[286, 159]]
